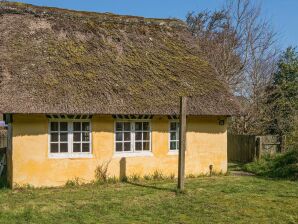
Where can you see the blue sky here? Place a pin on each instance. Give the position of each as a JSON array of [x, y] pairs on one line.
[[282, 13]]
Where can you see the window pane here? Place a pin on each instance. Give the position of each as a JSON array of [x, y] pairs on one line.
[[173, 145], [85, 137], [138, 135], [126, 136], [119, 126], [54, 137], [77, 126], [146, 126], [77, 137], [126, 146], [85, 147], [54, 126], [138, 126], [138, 146], [146, 136], [86, 126], [63, 126], [54, 147], [119, 136], [119, 146], [63, 137], [173, 136], [76, 147], [126, 126], [146, 146], [173, 126], [63, 147]]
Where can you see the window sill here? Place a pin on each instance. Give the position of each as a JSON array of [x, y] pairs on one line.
[[173, 152], [70, 155], [132, 154]]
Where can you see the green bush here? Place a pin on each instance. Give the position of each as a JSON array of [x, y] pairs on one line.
[[283, 165]]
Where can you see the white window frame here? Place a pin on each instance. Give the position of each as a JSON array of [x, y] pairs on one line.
[[173, 151], [70, 153], [133, 152]]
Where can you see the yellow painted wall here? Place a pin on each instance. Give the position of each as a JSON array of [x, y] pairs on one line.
[[206, 144]]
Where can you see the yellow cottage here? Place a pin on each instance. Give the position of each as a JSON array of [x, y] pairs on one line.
[[79, 90]]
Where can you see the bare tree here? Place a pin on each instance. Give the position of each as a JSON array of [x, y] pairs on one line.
[[259, 56], [240, 45], [218, 42]]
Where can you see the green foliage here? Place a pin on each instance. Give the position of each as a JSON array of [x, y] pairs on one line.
[[156, 175], [283, 97], [276, 166], [124, 179], [112, 180]]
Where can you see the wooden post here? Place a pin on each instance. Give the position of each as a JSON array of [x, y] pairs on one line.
[[8, 121], [182, 143]]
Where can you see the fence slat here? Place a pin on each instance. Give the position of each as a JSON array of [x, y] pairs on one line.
[[2, 163], [241, 148], [3, 139]]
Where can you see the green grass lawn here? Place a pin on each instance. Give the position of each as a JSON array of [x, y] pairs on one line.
[[222, 199]]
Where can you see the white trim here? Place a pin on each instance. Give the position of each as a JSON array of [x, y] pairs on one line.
[[172, 152], [132, 140], [69, 136], [67, 120], [70, 155], [131, 120], [133, 154], [67, 116]]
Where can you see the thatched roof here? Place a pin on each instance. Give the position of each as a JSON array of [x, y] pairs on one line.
[[61, 61]]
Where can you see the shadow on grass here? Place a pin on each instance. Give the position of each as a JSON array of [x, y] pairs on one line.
[[174, 190]]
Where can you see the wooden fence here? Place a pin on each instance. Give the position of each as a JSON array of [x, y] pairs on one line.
[[241, 148], [246, 148], [3, 145], [3, 139], [268, 144]]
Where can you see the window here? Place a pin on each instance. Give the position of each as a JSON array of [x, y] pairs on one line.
[[70, 137], [59, 137], [132, 136], [174, 136], [81, 137]]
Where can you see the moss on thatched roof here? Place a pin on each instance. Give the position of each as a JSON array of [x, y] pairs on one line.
[[61, 61]]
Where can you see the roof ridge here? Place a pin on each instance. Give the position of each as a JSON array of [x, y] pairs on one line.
[[43, 11]]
